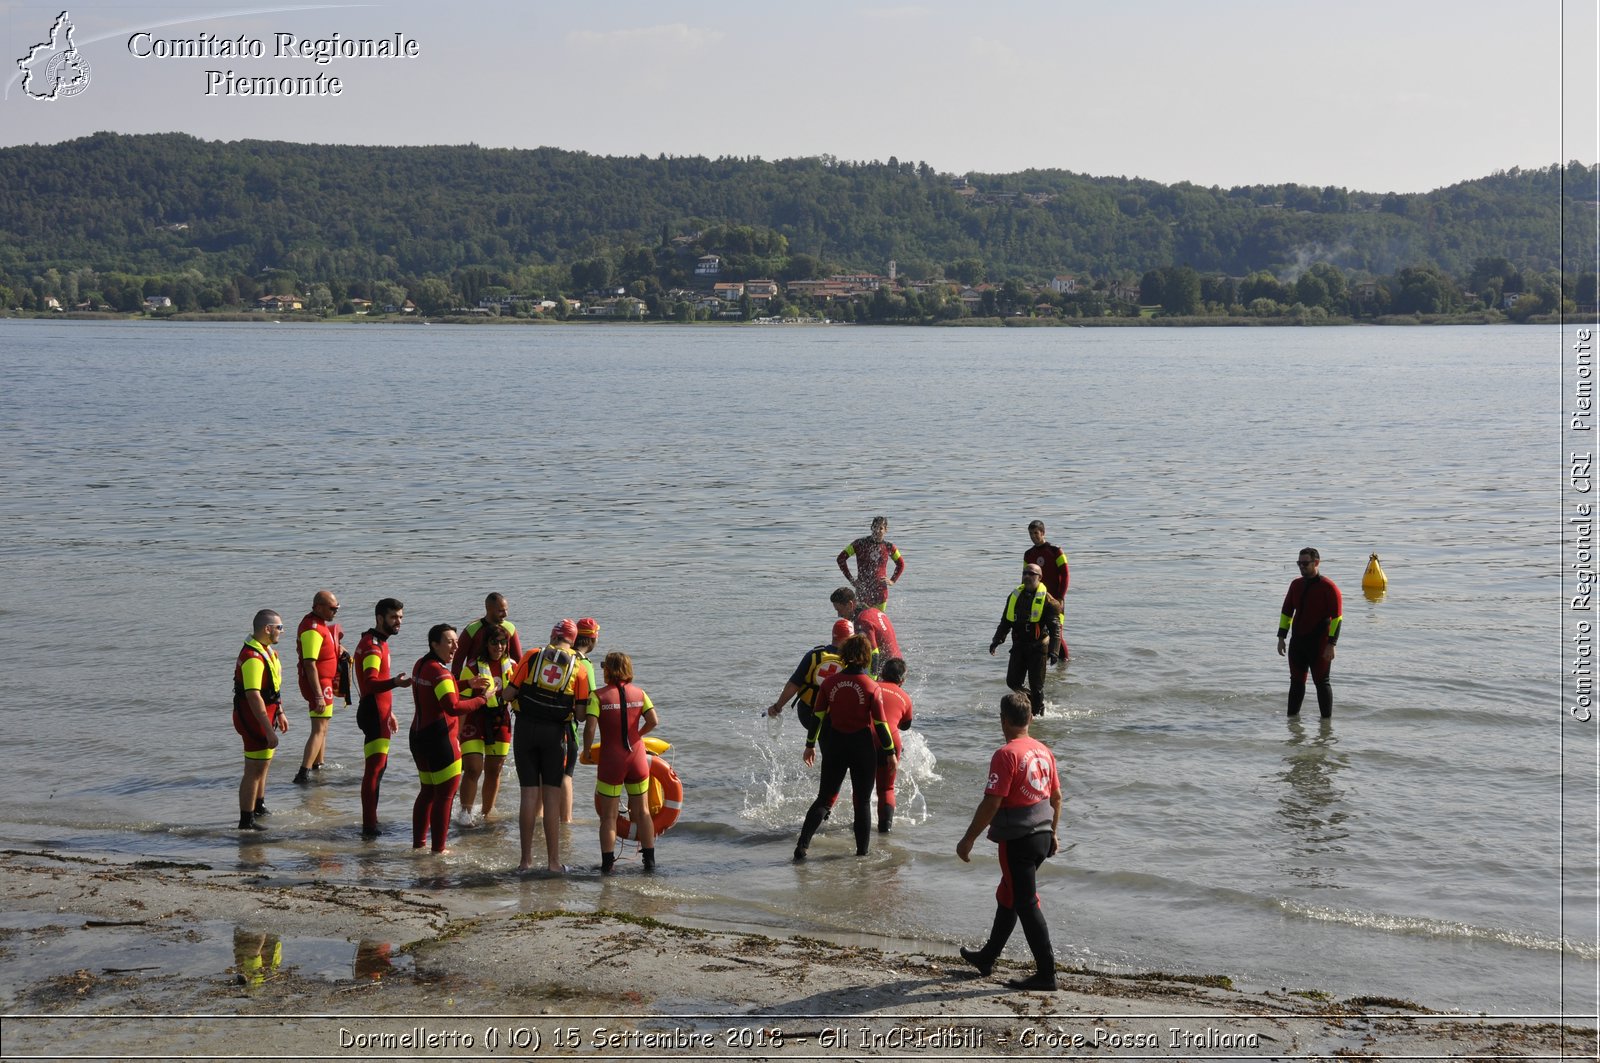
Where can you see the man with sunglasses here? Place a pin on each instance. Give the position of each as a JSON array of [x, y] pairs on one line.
[[1033, 620], [1313, 611], [258, 713], [317, 642]]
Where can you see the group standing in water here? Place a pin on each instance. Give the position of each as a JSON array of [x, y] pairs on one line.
[[479, 698], [465, 690]]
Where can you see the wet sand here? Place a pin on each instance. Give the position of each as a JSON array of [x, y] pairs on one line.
[[111, 960]]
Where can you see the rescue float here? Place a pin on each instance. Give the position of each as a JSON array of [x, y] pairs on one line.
[[1373, 582]]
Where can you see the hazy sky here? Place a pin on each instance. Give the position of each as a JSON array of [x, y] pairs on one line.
[[1399, 95]]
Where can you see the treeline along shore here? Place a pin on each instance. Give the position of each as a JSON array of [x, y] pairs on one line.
[[167, 225]]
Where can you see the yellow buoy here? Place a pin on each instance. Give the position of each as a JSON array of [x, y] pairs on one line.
[[1373, 582]]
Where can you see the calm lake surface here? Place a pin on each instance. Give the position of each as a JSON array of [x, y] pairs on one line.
[[690, 488]]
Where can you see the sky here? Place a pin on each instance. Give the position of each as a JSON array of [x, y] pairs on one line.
[[1400, 95]]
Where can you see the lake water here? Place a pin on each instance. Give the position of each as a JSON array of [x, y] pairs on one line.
[[690, 488]]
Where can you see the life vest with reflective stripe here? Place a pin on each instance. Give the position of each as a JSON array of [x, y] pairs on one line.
[[1035, 612], [271, 677], [502, 678]]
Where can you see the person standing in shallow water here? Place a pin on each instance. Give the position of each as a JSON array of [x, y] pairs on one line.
[[375, 711], [621, 714], [1313, 612], [318, 644], [486, 733], [257, 712], [1053, 573], [1021, 808], [435, 736], [872, 554]]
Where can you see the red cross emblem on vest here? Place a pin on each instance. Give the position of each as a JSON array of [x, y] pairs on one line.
[[551, 674], [831, 668]]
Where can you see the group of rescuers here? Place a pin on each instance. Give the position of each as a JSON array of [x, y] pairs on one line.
[[848, 694]]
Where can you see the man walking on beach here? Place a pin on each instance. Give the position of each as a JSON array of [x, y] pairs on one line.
[[257, 712], [1021, 808], [1313, 611], [317, 643], [872, 555], [1033, 620], [1052, 562]]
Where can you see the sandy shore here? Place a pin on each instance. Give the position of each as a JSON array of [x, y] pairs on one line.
[[105, 960]]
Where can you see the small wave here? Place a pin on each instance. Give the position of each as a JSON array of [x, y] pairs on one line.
[[1420, 926]]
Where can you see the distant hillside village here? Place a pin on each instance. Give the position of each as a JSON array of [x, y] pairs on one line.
[[167, 225], [1495, 290]]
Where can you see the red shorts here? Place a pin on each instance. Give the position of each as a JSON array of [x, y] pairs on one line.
[[257, 742]]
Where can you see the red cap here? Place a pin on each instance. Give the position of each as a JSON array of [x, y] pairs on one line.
[[843, 629], [589, 626], [565, 630]]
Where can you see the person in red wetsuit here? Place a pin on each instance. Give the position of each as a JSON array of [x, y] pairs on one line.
[[470, 648], [854, 736], [435, 744], [486, 733], [872, 554], [375, 710], [258, 713], [1054, 573], [868, 621], [622, 714], [897, 714], [317, 643], [1314, 610], [1021, 807]]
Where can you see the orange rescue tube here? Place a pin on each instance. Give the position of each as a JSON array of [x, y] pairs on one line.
[[664, 799]]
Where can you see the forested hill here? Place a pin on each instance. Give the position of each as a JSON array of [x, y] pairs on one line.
[[170, 202]]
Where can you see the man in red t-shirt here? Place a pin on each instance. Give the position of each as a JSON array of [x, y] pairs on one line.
[[1021, 807]]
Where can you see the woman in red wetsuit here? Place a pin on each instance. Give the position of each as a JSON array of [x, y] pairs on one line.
[[435, 741], [623, 715], [855, 736]]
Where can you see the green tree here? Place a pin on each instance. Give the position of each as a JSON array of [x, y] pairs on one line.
[[1424, 290], [969, 271], [1153, 287], [433, 297], [1310, 290], [1180, 292]]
